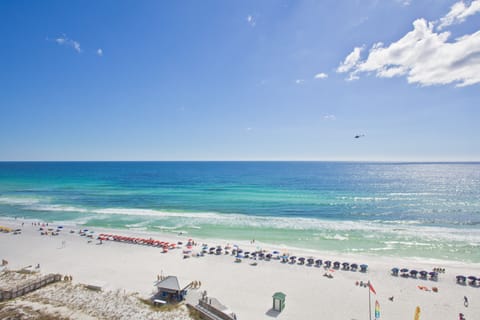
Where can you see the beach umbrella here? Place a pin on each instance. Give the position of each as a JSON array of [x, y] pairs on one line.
[[404, 270], [318, 262], [328, 263], [276, 252], [423, 273], [345, 264], [395, 270], [354, 266], [363, 267], [413, 272], [472, 278]]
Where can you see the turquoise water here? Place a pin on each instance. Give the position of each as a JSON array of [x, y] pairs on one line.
[[429, 210]]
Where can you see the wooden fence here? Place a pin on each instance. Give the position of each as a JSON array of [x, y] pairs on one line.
[[29, 286]]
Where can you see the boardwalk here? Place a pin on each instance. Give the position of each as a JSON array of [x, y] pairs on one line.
[[20, 290]]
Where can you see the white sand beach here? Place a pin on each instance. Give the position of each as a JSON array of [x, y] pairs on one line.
[[246, 290]]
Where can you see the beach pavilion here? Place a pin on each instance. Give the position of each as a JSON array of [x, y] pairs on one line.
[[169, 289]]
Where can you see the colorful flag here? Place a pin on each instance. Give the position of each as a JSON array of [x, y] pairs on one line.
[[377, 309], [371, 288]]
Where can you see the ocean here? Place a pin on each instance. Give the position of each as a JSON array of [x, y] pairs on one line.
[[423, 210]]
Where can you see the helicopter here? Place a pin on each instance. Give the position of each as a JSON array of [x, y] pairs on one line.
[[359, 136]]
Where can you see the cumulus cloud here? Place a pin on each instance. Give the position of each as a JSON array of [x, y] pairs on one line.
[[321, 75], [100, 52], [299, 81], [459, 13], [65, 41], [424, 56], [251, 20], [351, 60]]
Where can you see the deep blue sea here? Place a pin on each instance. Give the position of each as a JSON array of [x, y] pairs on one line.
[[426, 210]]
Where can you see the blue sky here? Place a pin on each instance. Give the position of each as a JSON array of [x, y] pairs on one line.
[[240, 80]]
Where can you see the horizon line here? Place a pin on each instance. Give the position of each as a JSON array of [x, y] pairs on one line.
[[255, 160]]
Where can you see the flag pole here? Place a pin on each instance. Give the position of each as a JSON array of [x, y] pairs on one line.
[[369, 302]]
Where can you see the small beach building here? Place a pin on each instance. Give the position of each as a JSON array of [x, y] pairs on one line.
[[279, 301], [169, 289]]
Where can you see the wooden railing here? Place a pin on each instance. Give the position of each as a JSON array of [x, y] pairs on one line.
[[27, 287]]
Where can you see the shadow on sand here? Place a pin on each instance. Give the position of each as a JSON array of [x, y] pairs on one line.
[[272, 313]]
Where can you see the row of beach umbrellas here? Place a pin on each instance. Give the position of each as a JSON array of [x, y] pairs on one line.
[[285, 258], [151, 242], [472, 280], [406, 273]]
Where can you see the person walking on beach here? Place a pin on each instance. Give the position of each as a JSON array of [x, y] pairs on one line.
[[465, 301]]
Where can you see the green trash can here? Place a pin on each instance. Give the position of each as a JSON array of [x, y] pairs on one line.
[[279, 301]]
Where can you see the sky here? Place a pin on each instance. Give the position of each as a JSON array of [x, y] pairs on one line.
[[240, 80]]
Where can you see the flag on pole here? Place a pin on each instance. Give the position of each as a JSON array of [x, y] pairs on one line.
[[377, 310], [371, 288]]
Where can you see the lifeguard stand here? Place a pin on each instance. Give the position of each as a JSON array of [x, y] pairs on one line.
[[279, 301]]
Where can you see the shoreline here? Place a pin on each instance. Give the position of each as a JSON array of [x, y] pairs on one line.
[[374, 253], [134, 268]]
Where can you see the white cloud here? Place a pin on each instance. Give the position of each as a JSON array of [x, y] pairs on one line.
[[424, 56], [65, 41], [459, 13], [100, 52], [329, 117], [248, 129], [321, 75], [299, 81], [251, 20], [351, 60]]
